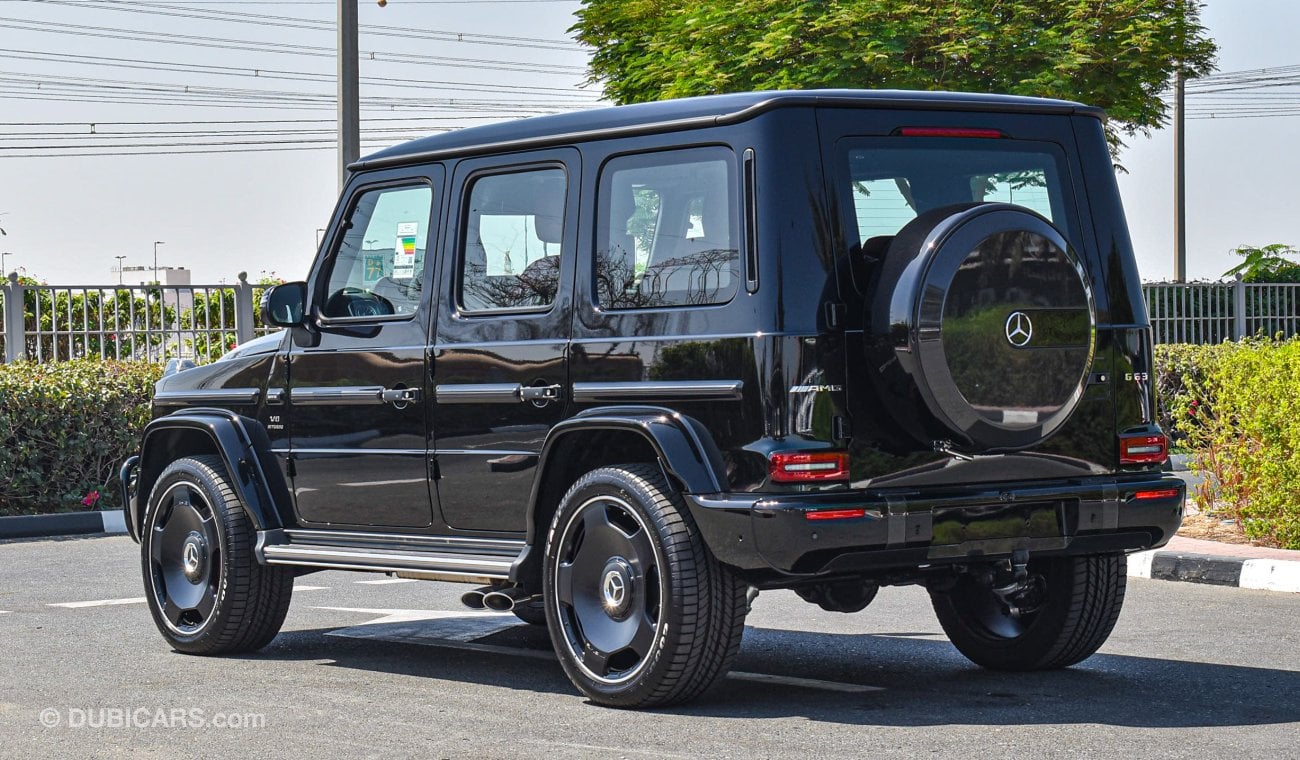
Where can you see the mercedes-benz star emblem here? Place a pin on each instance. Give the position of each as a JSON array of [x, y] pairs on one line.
[[1020, 329], [614, 588]]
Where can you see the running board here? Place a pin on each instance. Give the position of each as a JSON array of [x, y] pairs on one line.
[[465, 563]]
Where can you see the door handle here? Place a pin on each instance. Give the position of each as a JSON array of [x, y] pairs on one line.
[[400, 397], [540, 395]]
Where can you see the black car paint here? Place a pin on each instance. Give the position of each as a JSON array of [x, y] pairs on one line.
[[801, 328]]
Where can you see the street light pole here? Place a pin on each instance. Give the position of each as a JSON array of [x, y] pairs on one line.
[[1180, 177], [156, 278], [3, 256], [349, 96], [119, 269]]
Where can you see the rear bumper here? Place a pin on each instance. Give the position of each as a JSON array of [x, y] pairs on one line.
[[771, 539]]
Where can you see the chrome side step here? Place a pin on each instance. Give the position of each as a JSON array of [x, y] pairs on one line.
[[461, 564]]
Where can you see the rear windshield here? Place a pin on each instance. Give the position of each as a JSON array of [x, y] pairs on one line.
[[894, 179]]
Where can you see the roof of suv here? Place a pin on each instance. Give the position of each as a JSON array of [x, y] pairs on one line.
[[699, 112]]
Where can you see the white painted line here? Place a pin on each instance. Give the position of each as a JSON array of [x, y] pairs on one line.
[[1139, 565], [311, 588], [98, 603], [114, 521], [1271, 575], [4, 612], [806, 683], [421, 626], [387, 581]]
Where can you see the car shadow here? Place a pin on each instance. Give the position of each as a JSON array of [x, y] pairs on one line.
[[922, 680]]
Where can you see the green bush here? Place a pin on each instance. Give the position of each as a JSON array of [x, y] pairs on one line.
[[1177, 365], [1242, 420], [65, 427]]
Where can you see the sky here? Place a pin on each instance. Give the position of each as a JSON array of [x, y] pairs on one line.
[[255, 95]]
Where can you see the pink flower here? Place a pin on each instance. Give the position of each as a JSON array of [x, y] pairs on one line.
[[91, 499], [232, 346]]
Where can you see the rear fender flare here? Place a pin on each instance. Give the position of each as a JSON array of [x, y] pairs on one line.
[[684, 450]]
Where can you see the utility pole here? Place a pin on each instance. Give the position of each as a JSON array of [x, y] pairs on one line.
[[119, 269], [156, 278], [1180, 179], [349, 98]]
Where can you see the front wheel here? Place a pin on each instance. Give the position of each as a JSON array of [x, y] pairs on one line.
[[639, 611], [207, 593], [1062, 615]]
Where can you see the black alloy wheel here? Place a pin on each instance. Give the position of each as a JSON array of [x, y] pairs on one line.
[[639, 612], [205, 589], [1062, 615]]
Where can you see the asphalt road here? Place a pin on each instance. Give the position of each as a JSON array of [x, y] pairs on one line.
[[401, 670]]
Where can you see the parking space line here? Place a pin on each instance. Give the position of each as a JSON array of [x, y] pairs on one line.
[[806, 683], [311, 588], [98, 603], [387, 581], [464, 629]]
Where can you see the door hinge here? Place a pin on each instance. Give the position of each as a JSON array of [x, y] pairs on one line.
[[435, 472], [289, 468], [835, 312]]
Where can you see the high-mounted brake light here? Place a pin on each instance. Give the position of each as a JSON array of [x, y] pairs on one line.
[[808, 466], [950, 132], [1143, 449], [1163, 493]]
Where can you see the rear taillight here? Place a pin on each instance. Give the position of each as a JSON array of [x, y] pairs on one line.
[[808, 466], [835, 514], [1162, 493], [950, 132], [1143, 449]]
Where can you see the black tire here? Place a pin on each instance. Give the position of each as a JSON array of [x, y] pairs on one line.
[[531, 612], [206, 591], [1077, 603], [673, 626]]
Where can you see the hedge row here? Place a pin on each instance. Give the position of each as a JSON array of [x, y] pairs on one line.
[[65, 427], [1236, 406]]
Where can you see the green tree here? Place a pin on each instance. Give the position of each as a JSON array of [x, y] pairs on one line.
[[1118, 54], [1275, 262]]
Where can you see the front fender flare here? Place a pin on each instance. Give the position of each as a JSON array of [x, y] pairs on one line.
[[243, 446]]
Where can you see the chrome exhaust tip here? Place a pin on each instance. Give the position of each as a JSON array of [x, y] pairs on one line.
[[474, 599], [499, 601]]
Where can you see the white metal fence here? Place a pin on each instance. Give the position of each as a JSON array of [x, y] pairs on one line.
[[143, 322], [1212, 312]]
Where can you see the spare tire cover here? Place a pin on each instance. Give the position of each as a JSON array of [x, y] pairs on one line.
[[982, 314]]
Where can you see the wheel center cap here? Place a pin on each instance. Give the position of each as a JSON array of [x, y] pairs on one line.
[[194, 557], [616, 588]]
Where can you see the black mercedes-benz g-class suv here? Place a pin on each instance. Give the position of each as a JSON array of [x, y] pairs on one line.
[[619, 367]]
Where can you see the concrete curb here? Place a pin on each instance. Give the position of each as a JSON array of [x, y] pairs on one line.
[[1241, 572], [62, 524]]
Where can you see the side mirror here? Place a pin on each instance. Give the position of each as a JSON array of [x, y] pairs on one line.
[[282, 305]]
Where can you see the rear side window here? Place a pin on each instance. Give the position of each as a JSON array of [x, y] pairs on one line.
[[667, 231], [514, 232], [895, 179]]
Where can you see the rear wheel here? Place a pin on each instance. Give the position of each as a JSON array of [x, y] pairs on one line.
[[1063, 613], [639, 611], [205, 589]]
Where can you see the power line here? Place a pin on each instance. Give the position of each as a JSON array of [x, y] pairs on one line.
[[261, 73], [162, 9], [279, 48]]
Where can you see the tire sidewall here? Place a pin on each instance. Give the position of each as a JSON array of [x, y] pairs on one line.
[[616, 483], [195, 475]]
